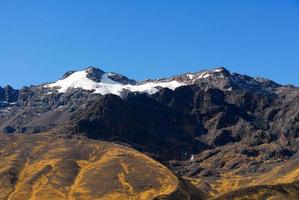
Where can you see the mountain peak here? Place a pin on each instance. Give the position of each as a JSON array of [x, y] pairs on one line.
[[222, 70], [92, 68], [94, 73], [98, 81]]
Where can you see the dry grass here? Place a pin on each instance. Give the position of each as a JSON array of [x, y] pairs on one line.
[[41, 168]]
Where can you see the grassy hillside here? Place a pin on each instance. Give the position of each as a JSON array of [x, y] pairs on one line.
[[44, 167]]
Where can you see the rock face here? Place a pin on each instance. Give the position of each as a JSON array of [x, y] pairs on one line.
[[212, 109], [94, 74], [205, 126], [8, 94]]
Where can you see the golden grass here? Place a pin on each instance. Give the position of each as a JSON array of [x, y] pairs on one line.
[[48, 168]]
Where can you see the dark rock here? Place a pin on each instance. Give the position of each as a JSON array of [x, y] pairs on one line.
[[214, 96], [8, 94], [261, 137], [67, 74], [121, 79], [209, 173], [2, 94], [222, 137], [94, 74], [9, 129], [249, 152]]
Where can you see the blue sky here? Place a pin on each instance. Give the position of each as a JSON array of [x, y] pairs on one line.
[[40, 40]]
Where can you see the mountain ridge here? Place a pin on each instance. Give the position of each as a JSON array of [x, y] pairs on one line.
[[212, 126], [185, 79]]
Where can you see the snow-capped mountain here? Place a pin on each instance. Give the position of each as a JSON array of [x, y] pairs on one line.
[[77, 89], [101, 82], [205, 124]]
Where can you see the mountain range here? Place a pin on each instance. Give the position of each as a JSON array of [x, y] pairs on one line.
[[212, 134]]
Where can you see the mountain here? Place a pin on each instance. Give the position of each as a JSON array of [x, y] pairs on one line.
[[100, 82], [217, 130]]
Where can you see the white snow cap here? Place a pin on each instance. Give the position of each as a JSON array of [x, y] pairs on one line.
[[79, 79], [105, 84]]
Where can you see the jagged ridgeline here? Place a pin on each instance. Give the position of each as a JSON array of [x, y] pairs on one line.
[[219, 131]]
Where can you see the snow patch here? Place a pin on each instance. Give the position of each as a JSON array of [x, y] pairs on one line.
[[192, 158], [218, 70], [106, 85], [190, 76], [204, 75]]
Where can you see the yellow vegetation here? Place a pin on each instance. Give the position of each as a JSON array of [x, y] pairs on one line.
[[45, 168]]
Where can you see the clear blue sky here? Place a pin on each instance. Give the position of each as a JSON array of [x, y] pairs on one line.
[[40, 40]]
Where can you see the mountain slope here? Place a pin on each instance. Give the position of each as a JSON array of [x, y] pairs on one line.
[[221, 131], [281, 182], [271, 192], [45, 167]]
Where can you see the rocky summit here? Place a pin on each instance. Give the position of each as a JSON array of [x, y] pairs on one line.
[[212, 134]]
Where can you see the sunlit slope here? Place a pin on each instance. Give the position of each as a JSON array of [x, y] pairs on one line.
[[44, 167], [284, 174], [282, 182], [269, 192]]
